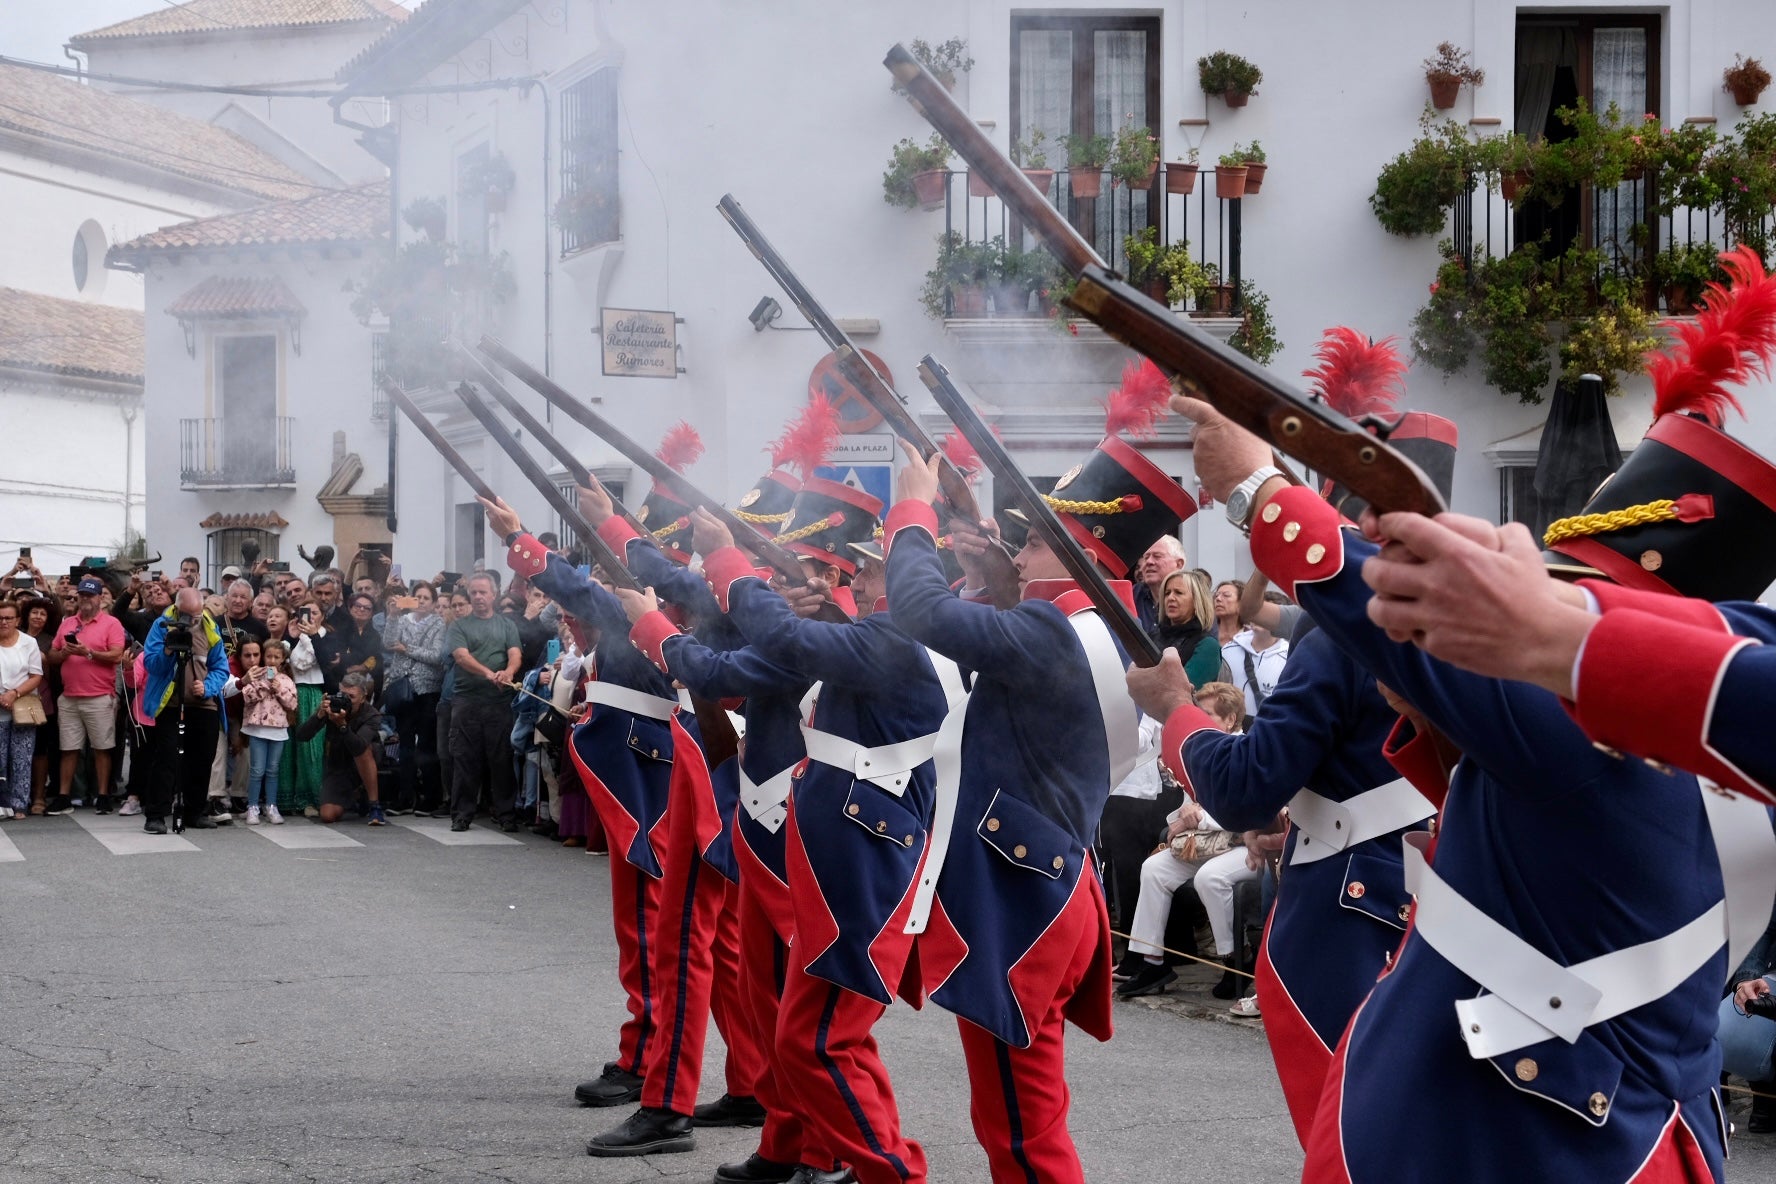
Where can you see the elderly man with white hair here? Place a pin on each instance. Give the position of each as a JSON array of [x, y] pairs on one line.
[[187, 677], [1164, 557]]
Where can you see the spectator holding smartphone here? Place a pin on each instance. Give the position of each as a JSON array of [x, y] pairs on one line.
[[300, 779], [87, 649], [415, 644], [269, 696]]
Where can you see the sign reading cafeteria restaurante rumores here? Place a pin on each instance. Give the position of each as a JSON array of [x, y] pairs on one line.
[[640, 343]]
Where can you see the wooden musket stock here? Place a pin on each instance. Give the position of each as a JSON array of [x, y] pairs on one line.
[[399, 398]]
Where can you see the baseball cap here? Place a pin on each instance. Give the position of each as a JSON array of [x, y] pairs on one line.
[[231, 572], [91, 586]]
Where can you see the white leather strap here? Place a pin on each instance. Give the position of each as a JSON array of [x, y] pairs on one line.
[[766, 804], [889, 766], [947, 766], [1328, 827], [1747, 849], [627, 699], [1122, 730]]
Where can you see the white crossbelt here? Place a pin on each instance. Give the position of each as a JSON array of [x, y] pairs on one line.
[[1328, 827], [947, 768], [889, 766], [1533, 998], [628, 699], [767, 803]]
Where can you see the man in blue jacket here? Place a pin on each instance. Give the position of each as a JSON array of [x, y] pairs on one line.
[[187, 676]]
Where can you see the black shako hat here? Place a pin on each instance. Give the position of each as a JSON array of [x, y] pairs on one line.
[[664, 513], [767, 504], [1428, 441], [826, 518]]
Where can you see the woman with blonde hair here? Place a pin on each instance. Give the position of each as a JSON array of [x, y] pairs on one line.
[[1186, 624]]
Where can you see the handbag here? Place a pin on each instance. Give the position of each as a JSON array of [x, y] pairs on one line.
[[1194, 846], [398, 694], [28, 710]]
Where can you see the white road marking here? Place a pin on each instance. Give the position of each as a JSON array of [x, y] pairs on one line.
[[438, 830]]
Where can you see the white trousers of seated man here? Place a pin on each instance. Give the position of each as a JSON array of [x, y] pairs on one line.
[[1162, 874]]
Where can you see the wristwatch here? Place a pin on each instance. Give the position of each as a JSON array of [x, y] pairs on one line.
[[1239, 502]]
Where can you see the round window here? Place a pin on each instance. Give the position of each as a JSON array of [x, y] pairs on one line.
[[89, 259]]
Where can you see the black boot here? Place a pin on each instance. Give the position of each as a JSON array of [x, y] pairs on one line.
[[645, 1132], [729, 1110], [1763, 1109], [1128, 968], [755, 1169], [614, 1087], [1230, 984], [1152, 979], [808, 1175]]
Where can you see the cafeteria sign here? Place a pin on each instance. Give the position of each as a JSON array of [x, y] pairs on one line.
[[640, 343]]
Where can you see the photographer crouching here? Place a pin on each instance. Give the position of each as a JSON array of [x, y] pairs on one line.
[[187, 676], [354, 746]]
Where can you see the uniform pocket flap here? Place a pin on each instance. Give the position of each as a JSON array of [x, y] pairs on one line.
[[1581, 1077], [880, 812], [1377, 887], [651, 739], [1027, 837]]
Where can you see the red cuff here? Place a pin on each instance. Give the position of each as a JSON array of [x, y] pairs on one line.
[[1416, 760], [725, 568], [906, 513], [526, 556], [1678, 610], [1183, 723], [650, 633], [616, 533], [1296, 540], [1629, 651]]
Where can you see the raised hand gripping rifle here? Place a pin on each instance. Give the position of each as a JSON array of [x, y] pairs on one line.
[[1238, 387], [868, 381]]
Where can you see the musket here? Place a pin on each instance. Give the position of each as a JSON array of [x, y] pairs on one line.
[[1079, 565], [582, 476], [1001, 576], [463, 468], [780, 558], [1235, 385]]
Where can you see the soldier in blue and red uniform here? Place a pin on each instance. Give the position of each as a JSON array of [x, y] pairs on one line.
[[1558, 983], [858, 824], [1017, 938]]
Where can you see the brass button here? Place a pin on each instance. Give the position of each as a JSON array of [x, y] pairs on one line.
[[1060, 862], [1652, 560], [1657, 766], [1291, 532], [1599, 1105], [909, 840], [1020, 851], [1097, 532], [1527, 1069], [1356, 890], [1271, 512], [1405, 912], [992, 824], [881, 827], [1606, 750], [1316, 553], [853, 808], [656, 753], [1554, 1003], [526, 554]]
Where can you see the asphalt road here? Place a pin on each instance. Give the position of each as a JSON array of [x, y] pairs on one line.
[[402, 1010]]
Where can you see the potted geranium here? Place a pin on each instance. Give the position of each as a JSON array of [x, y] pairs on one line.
[[1086, 156], [1134, 158], [1142, 255], [1230, 175], [1228, 75], [1031, 156], [957, 283], [426, 215], [1184, 276], [1745, 80], [1681, 271], [945, 61], [492, 178], [917, 174], [1255, 166], [1181, 174], [1448, 71], [1213, 298]]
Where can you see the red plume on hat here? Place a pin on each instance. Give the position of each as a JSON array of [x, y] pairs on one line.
[[809, 439], [680, 447], [1357, 376], [961, 454], [1732, 339], [1136, 405]]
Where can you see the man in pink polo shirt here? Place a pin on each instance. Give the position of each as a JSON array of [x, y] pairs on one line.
[[87, 649]]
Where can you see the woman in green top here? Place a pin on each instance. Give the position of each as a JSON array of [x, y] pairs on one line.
[[1186, 624]]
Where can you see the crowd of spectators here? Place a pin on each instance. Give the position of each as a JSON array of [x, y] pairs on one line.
[[273, 696]]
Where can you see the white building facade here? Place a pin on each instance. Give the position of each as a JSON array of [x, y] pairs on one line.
[[651, 114]]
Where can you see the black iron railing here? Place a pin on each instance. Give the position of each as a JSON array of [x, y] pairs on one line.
[[236, 453]]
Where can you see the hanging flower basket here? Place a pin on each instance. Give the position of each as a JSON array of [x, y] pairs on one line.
[[978, 186], [1181, 177], [1041, 178], [929, 187], [1230, 181], [1444, 91], [1254, 177], [1087, 182]]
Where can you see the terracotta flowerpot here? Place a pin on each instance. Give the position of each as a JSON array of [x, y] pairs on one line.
[[1146, 183], [1510, 184], [1086, 182], [1677, 301], [1214, 302], [978, 185], [1230, 181], [929, 187], [1254, 177], [1011, 300], [1746, 96], [1155, 289], [968, 301], [1180, 177], [1444, 91], [1041, 178], [1235, 98]]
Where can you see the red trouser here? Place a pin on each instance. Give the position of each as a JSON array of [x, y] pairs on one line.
[[635, 906], [825, 1047], [1019, 1096]]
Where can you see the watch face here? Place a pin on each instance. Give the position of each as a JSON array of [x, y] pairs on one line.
[[1237, 501]]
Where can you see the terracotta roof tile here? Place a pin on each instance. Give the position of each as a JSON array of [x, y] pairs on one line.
[[438, 28], [60, 111], [218, 16], [271, 520], [334, 216], [232, 297], [56, 336]]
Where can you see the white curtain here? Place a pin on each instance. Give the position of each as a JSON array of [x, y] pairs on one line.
[[1119, 99], [1619, 76], [1541, 51], [1045, 97]]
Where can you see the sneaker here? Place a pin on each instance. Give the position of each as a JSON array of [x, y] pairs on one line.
[[252, 815], [7, 813], [459, 824], [155, 826], [219, 810], [131, 807], [310, 812], [1247, 1007], [376, 818], [103, 805], [59, 805], [272, 816]]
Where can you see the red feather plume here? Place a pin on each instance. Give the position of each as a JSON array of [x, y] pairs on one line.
[[680, 447], [961, 454], [1357, 376], [809, 439], [1732, 340], [1136, 405]]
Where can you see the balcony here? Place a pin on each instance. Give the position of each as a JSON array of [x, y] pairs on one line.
[[231, 453], [1206, 224]]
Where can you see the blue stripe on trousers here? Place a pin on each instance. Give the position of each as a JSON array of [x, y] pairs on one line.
[[1008, 1087], [685, 937], [647, 994], [838, 1079]]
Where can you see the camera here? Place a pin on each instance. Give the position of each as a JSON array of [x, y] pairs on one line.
[[177, 639], [1764, 1005], [339, 703]]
